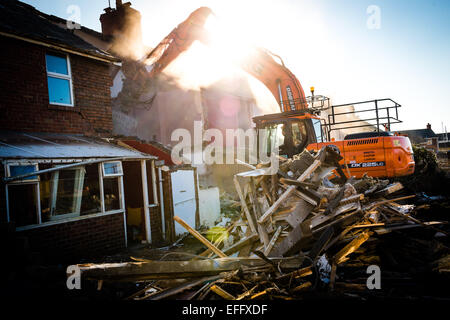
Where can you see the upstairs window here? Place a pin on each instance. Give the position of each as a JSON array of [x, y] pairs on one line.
[[59, 79]]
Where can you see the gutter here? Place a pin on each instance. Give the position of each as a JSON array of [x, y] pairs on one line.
[[112, 60], [72, 165]]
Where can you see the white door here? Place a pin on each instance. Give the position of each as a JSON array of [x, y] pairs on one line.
[[183, 195]]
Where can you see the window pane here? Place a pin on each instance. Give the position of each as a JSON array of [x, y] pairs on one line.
[[111, 189], [317, 129], [90, 202], [59, 90], [22, 204], [57, 64], [19, 170], [112, 168], [77, 191], [298, 133], [61, 193], [68, 199]]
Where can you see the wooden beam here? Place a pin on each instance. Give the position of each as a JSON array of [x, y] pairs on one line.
[[256, 209], [249, 217], [174, 290], [222, 293], [134, 271], [379, 203], [202, 239], [289, 192], [341, 256], [273, 241]]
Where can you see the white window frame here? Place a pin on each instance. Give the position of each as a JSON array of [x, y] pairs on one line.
[[34, 182], [8, 172], [77, 192], [61, 76], [106, 175], [111, 176]]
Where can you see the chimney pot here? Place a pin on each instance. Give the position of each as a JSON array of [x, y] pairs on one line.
[[428, 126]]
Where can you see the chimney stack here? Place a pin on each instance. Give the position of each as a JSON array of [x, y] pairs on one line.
[[122, 26], [428, 126]]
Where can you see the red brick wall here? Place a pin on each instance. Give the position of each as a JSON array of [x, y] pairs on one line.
[[77, 239], [24, 102]]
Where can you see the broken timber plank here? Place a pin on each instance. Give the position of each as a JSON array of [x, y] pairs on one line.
[[273, 241], [296, 274], [333, 276], [133, 271], [202, 239], [389, 189], [301, 211], [302, 287], [350, 248], [174, 290], [294, 240], [321, 219], [241, 243], [301, 195], [222, 293], [249, 217], [256, 209], [274, 186], [266, 191], [392, 210], [289, 192], [376, 204]]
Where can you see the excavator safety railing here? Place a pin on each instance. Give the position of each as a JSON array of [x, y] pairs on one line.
[[315, 104], [384, 112]]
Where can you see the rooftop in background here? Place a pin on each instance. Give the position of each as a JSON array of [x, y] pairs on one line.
[[22, 20], [20, 145], [419, 135]]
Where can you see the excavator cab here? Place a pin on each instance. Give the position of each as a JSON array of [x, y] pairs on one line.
[[290, 131], [376, 153]]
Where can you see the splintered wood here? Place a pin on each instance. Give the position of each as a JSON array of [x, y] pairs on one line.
[[296, 228]]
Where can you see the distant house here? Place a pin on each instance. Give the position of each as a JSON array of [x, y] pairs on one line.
[[422, 137], [65, 190], [419, 136]]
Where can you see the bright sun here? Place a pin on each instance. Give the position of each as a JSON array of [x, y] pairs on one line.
[[235, 30]]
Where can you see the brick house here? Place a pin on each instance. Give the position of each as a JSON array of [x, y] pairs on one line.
[[66, 191]]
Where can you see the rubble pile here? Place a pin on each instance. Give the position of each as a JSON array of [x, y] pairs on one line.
[[299, 232]]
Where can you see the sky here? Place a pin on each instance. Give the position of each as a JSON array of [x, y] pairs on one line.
[[349, 50]]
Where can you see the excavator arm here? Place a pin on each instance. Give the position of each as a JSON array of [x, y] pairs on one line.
[[178, 40], [261, 63], [281, 82]]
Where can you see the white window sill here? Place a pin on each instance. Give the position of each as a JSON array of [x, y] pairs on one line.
[[67, 220]]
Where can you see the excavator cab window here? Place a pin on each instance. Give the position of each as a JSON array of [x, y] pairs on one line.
[[291, 135], [275, 136], [298, 134], [318, 130]]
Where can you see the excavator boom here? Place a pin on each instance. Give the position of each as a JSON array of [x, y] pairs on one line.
[[178, 40], [297, 126], [261, 63]]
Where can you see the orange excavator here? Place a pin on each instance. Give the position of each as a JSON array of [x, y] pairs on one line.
[[298, 126]]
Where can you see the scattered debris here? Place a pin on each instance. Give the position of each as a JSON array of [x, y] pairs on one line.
[[297, 232]]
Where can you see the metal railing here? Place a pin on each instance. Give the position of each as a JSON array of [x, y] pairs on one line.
[[383, 115]]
